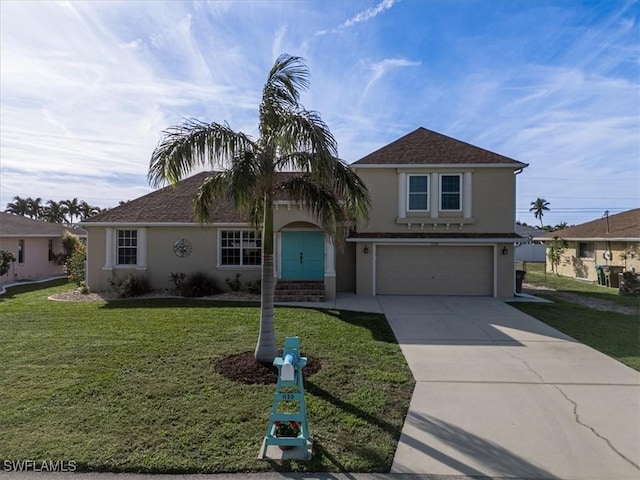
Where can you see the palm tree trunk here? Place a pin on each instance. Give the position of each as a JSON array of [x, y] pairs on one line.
[[266, 348]]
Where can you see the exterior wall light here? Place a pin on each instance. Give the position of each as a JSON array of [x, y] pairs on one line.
[[505, 251], [366, 250]]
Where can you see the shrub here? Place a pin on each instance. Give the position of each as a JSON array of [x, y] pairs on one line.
[[132, 285], [199, 284], [178, 280], [234, 284], [254, 287], [75, 264], [70, 243], [6, 259]]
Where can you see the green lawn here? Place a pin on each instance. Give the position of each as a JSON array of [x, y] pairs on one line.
[[536, 276], [614, 334], [130, 385]]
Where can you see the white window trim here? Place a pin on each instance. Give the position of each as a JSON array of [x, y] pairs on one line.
[[219, 264], [409, 209], [116, 245], [440, 192]]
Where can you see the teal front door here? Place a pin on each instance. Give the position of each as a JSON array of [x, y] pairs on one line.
[[302, 255]]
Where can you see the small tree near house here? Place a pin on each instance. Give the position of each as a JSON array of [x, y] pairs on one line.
[[6, 259], [555, 251]]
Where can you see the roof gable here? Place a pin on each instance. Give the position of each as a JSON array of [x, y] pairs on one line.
[[425, 147], [624, 225], [19, 226]]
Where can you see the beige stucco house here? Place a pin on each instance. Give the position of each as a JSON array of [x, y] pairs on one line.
[[441, 223], [34, 244], [613, 241]]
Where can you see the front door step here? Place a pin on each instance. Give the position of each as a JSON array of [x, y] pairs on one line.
[[299, 291]]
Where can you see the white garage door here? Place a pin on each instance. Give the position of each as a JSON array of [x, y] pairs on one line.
[[434, 270]]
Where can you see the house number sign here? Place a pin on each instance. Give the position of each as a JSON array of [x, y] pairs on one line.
[[182, 248]]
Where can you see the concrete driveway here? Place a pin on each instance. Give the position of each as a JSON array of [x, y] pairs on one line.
[[501, 394]]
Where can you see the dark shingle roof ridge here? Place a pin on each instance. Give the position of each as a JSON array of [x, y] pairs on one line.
[[435, 148], [621, 225]]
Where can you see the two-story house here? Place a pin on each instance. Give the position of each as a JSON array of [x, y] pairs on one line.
[[441, 223]]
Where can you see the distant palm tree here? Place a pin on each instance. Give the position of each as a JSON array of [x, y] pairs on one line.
[[291, 138], [87, 211], [55, 212], [35, 207], [538, 207], [73, 209], [19, 206]]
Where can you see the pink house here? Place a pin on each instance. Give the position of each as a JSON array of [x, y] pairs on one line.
[[34, 244]]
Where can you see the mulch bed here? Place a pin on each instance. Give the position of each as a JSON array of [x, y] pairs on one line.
[[243, 368]]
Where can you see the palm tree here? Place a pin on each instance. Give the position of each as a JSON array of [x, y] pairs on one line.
[[538, 207], [19, 206], [87, 211], [290, 138], [35, 207], [73, 208], [54, 212]]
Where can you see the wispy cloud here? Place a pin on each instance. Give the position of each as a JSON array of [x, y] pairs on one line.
[[87, 88], [361, 17], [383, 67]]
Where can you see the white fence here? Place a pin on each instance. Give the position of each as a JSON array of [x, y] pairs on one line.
[[530, 253]]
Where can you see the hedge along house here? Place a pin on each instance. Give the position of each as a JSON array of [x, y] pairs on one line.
[[441, 223], [612, 240], [35, 245]]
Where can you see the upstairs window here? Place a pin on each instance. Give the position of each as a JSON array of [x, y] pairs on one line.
[[418, 193], [240, 248], [127, 247], [450, 192]]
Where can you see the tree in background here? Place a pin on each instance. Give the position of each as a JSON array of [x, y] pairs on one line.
[[555, 251], [64, 211], [73, 209], [290, 138], [19, 206], [538, 207], [54, 212], [35, 208], [87, 211]]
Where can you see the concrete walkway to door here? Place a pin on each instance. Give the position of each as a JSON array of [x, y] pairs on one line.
[[500, 394]]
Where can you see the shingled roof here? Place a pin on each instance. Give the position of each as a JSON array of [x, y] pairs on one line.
[[172, 205], [19, 226], [621, 226], [425, 147], [167, 205]]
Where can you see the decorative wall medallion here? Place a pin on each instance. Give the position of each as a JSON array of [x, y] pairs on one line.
[[182, 248]]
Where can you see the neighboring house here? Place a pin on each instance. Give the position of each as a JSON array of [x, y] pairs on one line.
[[612, 240], [441, 223], [34, 244], [528, 249]]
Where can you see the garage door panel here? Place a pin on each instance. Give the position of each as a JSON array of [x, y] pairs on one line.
[[434, 270]]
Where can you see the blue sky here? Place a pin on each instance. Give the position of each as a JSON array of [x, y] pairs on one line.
[[86, 88]]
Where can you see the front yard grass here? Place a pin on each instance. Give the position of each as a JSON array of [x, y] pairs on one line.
[[131, 386], [611, 333], [536, 276]]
